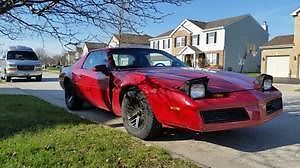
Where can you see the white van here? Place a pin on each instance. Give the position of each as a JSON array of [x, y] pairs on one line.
[[20, 61]]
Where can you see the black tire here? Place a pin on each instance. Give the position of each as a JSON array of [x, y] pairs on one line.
[[28, 78], [7, 78], [72, 101], [138, 117], [39, 78]]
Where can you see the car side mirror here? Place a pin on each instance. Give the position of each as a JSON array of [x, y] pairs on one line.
[[101, 68]]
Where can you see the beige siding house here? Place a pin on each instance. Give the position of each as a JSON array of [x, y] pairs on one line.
[[129, 40], [90, 46], [281, 55], [230, 43]]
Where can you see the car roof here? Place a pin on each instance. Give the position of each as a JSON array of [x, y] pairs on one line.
[[122, 48], [20, 48]]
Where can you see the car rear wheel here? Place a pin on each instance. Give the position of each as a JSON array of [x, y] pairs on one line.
[[72, 101], [138, 117]]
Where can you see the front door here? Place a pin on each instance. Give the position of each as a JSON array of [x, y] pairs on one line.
[[99, 88], [188, 59], [95, 84]]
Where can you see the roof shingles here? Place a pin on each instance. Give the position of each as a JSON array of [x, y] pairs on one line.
[[211, 24], [127, 38], [219, 23], [281, 40]]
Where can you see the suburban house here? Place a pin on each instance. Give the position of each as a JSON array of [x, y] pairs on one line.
[[281, 55], [129, 40], [230, 43], [72, 56], [90, 46]]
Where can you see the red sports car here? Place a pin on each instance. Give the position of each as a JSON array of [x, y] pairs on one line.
[[152, 89]]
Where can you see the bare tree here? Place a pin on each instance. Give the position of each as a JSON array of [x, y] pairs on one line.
[[41, 53], [43, 56], [67, 20]]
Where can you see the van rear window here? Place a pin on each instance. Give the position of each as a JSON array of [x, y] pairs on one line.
[[21, 55]]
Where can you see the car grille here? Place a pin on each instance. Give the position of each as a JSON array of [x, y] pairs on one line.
[[25, 67], [224, 115], [274, 105]]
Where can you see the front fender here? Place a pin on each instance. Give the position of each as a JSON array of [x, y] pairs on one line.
[[164, 101]]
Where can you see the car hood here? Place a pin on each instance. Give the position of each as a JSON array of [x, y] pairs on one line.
[[219, 80]]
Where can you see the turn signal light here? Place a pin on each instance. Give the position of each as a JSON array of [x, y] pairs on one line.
[[12, 69]]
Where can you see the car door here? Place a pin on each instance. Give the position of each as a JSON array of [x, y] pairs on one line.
[[82, 76], [94, 85], [99, 88]]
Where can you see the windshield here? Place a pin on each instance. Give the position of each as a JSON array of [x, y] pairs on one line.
[[140, 58], [21, 55]]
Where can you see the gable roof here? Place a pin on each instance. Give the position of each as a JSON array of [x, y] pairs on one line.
[[207, 25], [95, 45], [280, 40], [127, 38], [218, 23], [164, 34], [295, 13]]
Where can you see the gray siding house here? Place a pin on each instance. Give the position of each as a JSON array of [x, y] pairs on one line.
[[230, 43]]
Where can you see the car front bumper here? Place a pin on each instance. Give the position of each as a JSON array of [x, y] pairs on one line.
[[19, 73], [238, 110]]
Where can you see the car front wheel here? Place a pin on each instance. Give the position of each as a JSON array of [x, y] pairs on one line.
[[72, 101], [138, 117], [39, 78], [7, 78]]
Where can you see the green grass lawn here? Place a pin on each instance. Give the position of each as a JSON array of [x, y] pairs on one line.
[[253, 75], [34, 133], [53, 70]]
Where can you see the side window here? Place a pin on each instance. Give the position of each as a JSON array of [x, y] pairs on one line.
[[95, 58], [157, 59], [101, 58], [123, 60], [90, 61]]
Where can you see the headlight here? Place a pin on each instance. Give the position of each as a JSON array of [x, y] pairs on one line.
[[38, 67], [196, 88], [267, 84], [197, 91], [11, 65], [264, 82]]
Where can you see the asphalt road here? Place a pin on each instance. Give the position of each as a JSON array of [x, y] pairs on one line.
[[274, 144]]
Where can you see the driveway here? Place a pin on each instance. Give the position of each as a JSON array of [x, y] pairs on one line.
[[274, 144]]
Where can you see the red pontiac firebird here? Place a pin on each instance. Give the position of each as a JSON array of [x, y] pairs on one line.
[[152, 89]]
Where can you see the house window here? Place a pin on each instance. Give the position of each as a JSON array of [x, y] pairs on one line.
[[211, 37], [165, 44], [212, 58], [157, 45], [195, 40], [169, 43], [180, 41], [153, 44]]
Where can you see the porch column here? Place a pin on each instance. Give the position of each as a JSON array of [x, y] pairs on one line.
[[194, 60], [181, 58]]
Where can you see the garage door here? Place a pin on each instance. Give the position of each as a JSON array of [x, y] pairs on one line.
[[278, 66]]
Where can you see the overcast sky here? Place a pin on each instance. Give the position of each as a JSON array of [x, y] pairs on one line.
[[275, 12]]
